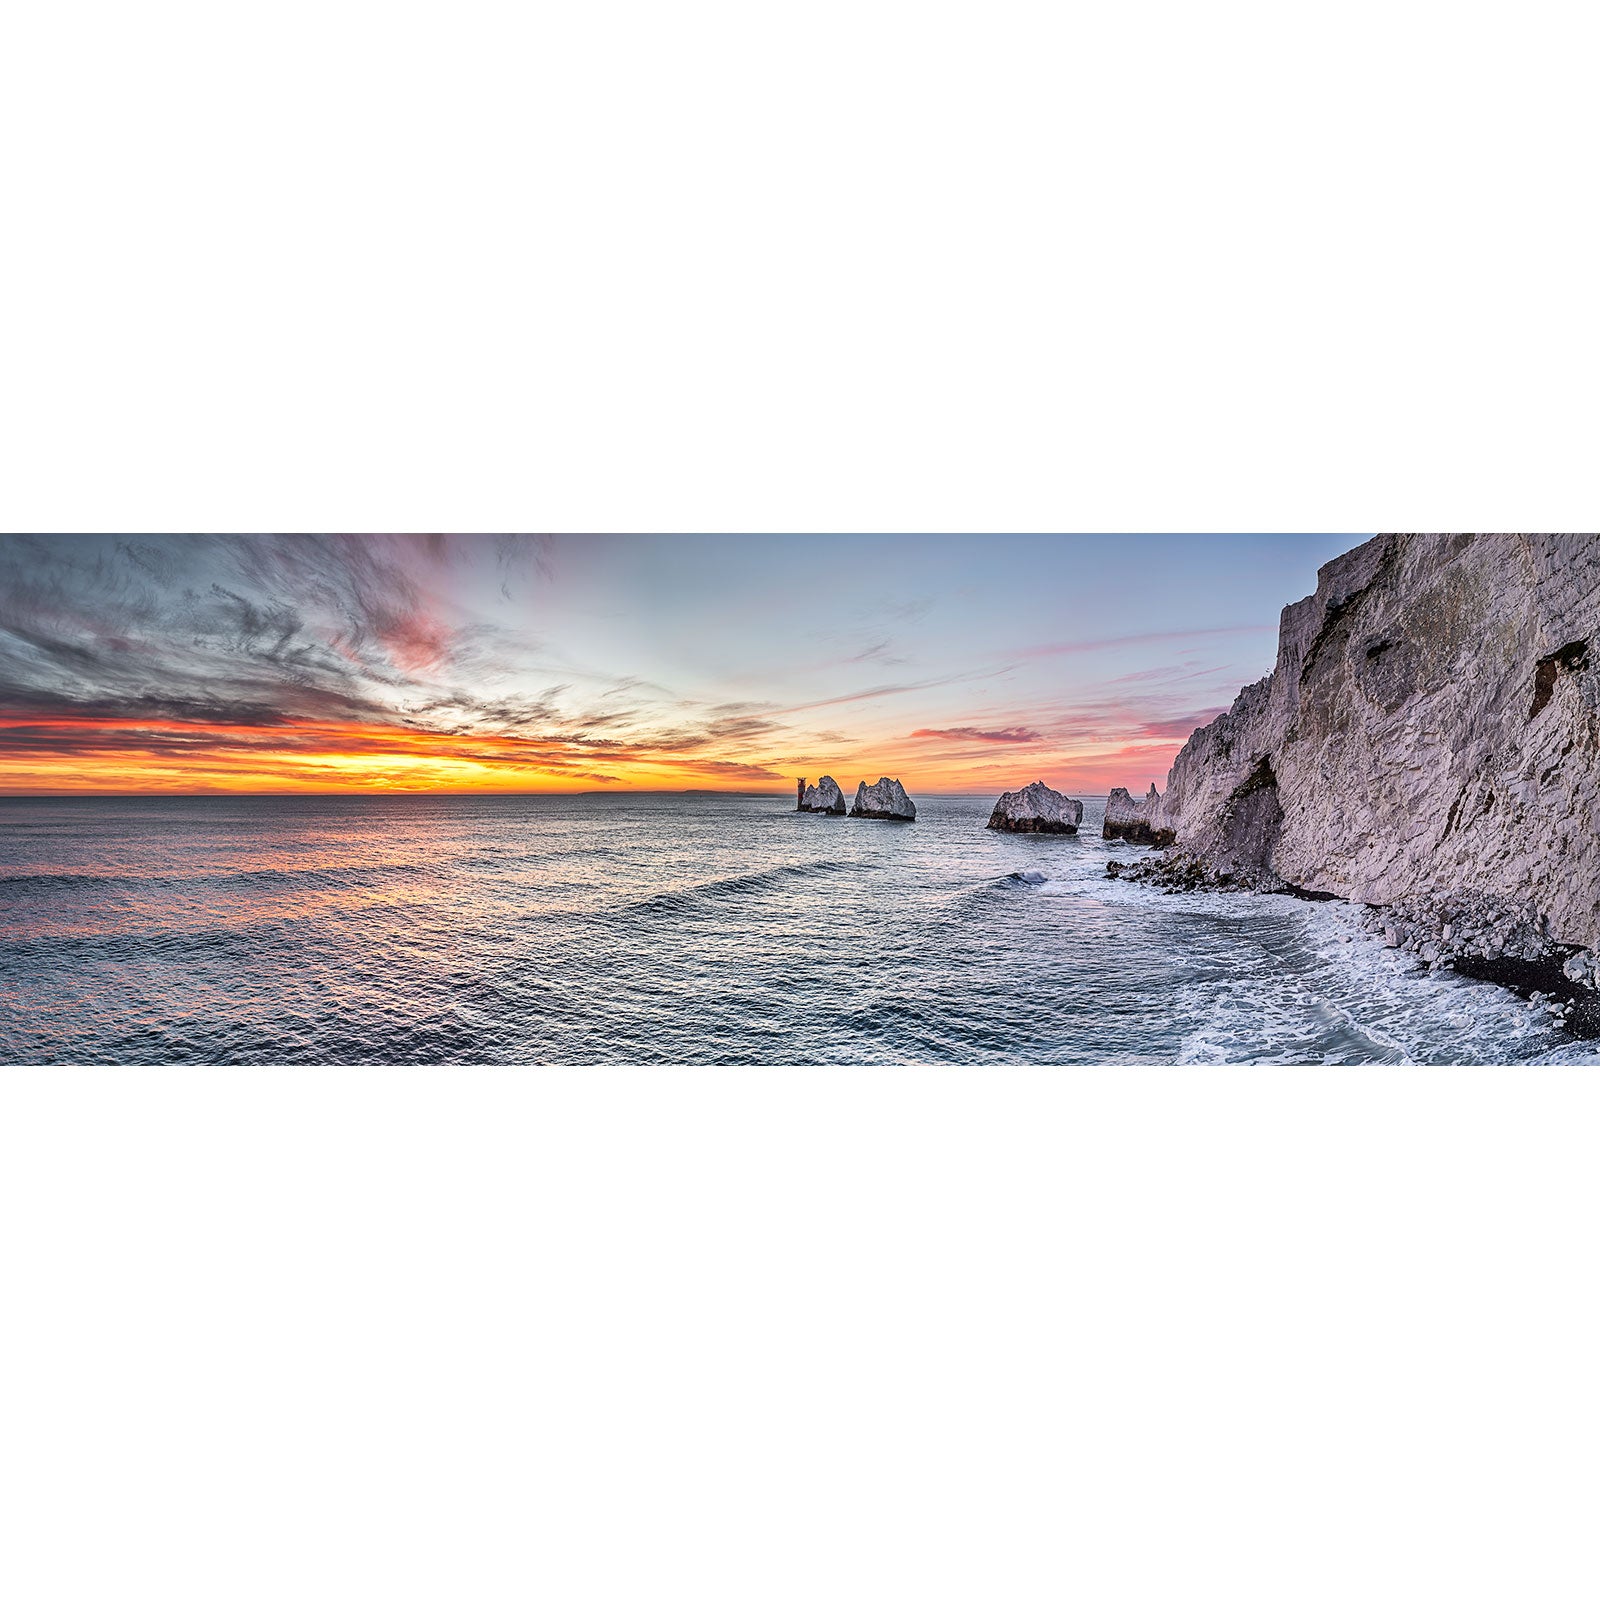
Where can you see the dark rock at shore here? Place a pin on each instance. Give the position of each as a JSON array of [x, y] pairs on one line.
[[1541, 982], [1177, 872]]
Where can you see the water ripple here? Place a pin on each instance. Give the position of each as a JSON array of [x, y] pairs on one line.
[[652, 929]]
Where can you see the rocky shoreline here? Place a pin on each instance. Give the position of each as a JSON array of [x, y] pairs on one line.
[[1496, 942], [1475, 935]]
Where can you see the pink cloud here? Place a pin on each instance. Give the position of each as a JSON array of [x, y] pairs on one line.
[[416, 642], [1178, 727]]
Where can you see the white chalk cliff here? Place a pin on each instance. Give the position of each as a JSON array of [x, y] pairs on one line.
[[1036, 809], [824, 795], [1432, 726], [885, 799], [1133, 820]]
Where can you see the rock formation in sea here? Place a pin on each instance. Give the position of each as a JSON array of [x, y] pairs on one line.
[[824, 795], [1036, 809], [885, 800], [1430, 733], [1130, 819]]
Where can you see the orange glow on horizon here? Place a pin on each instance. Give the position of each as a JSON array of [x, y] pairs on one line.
[[45, 755]]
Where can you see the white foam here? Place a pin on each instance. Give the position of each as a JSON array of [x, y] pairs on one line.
[[1337, 994], [1580, 1053], [1375, 1003]]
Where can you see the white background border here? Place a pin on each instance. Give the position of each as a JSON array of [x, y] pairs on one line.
[[1154, 1333], [730, 265], [799, 1332]]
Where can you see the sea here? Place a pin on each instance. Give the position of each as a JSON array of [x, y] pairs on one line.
[[667, 929]]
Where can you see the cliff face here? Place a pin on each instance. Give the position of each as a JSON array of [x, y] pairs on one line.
[[1432, 724]]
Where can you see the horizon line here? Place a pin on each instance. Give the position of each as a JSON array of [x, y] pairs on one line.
[[353, 794]]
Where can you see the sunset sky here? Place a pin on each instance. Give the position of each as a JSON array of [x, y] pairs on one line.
[[196, 663]]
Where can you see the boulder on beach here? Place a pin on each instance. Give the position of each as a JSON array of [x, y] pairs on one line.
[[1134, 820], [1036, 809], [825, 796], [885, 800]]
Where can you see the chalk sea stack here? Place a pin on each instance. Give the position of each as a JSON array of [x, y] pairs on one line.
[[1130, 819], [1429, 738], [885, 800], [1036, 809], [825, 796]]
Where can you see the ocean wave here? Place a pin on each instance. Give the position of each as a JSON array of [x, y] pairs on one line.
[[45, 881], [694, 897], [349, 875], [296, 877]]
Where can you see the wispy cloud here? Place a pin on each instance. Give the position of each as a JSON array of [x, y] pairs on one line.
[[981, 735], [883, 690], [748, 771], [391, 660], [881, 654], [1074, 647]]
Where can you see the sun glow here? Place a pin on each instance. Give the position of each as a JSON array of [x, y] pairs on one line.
[[64, 755]]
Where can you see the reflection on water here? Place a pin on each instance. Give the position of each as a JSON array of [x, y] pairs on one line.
[[669, 928]]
